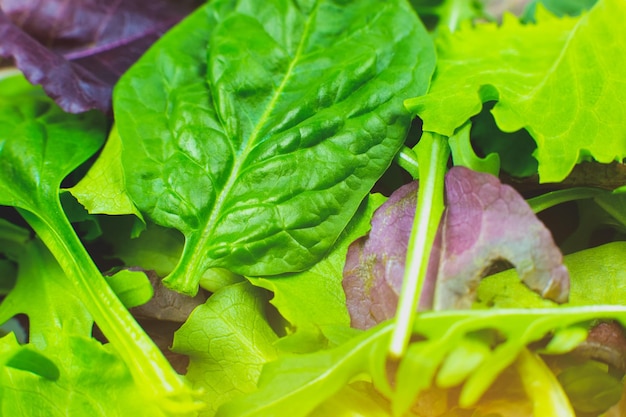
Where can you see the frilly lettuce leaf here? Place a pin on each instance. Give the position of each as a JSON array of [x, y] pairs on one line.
[[560, 79]]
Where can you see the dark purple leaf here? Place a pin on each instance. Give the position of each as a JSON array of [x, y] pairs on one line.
[[484, 221], [77, 49]]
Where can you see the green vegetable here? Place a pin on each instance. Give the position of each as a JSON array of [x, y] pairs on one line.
[[39, 146], [222, 149], [545, 79]]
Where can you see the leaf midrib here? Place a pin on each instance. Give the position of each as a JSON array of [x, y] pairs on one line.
[[248, 144]]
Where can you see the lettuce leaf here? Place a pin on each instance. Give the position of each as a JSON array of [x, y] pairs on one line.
[[484, 221], [560, 79]]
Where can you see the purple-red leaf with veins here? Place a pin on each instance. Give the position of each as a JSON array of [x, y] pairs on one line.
[[77, 49], [484, 221]]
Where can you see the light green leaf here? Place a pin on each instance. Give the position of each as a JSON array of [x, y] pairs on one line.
[[133, 288], [597, 276], [542, 387], [228, 339], [261, 155], [88, 374], [463, 154], [560, 79], [296, 384], [103, 190], [314, 299], [39, 146]]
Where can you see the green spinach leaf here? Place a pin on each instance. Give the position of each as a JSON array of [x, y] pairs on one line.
[[261, 153]]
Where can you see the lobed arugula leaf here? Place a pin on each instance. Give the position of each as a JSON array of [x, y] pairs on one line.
[[296, 384], [560, 79], [222, 148], [54, 374], [39, 146]]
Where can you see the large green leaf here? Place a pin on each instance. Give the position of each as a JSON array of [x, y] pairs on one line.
[[262, 155], [561, 79]]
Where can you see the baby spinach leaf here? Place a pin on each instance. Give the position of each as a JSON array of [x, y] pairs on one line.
[[560, 79], [262, 154], [226, 358]]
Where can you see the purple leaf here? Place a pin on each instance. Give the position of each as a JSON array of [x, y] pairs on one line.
[[78, 49], [484, 221], [375, 263]]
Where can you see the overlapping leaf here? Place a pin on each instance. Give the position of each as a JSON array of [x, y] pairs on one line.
[[485, 221], [226, 357], [78, 49], [561, 79], [60, 332], [263, 167]]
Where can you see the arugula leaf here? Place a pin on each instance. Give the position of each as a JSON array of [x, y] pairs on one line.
[[226, 358], [39, 146], [61, 349], [77, 50], [545, 79], [227, 159]]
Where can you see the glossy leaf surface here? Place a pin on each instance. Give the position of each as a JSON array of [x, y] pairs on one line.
[[261, 155]]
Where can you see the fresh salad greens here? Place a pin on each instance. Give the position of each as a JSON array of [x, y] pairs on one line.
[[380, 208]]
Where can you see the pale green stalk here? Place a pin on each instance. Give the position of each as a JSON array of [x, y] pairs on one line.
[[432, 156]]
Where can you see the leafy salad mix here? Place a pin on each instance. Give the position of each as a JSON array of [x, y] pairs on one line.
[[312, 208]]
